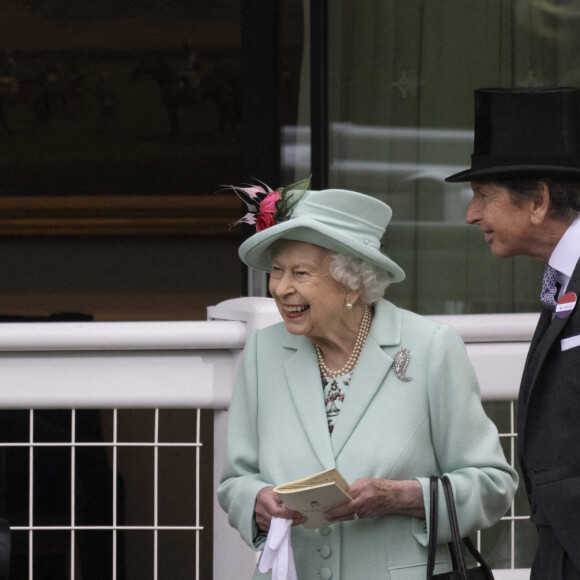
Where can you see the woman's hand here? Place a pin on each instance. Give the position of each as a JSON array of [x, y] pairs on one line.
[[268, 506], [372, 497]]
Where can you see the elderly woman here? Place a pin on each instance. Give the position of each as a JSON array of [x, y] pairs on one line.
[[349, 380]]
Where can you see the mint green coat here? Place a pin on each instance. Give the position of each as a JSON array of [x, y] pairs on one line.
[[387, 428]]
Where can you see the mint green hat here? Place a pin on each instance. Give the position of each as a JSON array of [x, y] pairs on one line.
[[347, 222]]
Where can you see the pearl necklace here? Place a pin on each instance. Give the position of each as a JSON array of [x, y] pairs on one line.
[[363, 332]]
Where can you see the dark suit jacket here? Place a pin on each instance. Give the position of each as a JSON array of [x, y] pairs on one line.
[[549, 426]]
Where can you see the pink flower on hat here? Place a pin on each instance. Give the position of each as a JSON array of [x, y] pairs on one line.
[[267, 207], [265, 217]]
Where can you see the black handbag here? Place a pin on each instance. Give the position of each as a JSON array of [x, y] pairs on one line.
[[460, 570]]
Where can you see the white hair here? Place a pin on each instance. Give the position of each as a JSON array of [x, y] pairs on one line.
[[355, 273]]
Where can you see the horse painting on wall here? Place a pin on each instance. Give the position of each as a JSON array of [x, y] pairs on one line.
[[100, 97]]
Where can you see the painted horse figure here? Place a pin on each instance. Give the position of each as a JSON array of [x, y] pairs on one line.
[[30, 101], [176, 92]]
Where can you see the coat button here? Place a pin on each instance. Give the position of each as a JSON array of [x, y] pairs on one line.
[[325, 573], [324, 551]]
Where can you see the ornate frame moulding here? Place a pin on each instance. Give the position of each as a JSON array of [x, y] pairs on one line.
[[200, 215]]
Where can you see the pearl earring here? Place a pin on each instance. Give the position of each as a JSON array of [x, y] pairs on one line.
[[348, 306]]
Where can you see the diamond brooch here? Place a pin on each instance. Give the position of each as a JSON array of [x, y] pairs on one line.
[[400, 364]]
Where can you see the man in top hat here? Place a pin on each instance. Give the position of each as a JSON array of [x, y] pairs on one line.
[[525, 176]]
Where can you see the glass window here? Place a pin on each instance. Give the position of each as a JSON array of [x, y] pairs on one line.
[[401, 76]]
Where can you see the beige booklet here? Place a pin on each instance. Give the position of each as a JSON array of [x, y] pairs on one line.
[[313, 495]]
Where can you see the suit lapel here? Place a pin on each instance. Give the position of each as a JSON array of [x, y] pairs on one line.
[[548, 329], [543, 347], [529, 367], [370, 372], [361, 392], [552, 331]]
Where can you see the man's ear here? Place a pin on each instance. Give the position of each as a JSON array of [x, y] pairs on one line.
[[540, 205]]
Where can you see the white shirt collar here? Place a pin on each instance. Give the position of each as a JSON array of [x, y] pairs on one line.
[[566, 254]]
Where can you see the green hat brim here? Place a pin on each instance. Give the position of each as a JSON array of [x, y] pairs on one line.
[[254, 251]]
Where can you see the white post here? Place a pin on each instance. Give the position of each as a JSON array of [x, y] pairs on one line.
[[232, 558]]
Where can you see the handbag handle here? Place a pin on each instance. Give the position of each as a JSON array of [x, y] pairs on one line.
[[455, 536], [433, 517], [455, 545], [467, 541]]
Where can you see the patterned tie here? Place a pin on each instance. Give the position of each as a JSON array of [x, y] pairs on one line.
[[550, 284]]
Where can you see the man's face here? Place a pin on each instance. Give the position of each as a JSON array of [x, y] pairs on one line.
[[507, 227]]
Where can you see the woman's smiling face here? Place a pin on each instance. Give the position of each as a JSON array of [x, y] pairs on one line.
[[309, 299]]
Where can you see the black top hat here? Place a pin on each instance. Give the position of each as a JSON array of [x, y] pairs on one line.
[[519, 133]]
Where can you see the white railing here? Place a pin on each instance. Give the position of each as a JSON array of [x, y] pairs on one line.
[[159, 365]]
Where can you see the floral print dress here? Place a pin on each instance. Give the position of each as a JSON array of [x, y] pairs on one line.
[[335, 389]]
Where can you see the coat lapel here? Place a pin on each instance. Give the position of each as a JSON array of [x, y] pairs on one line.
[[305, 384], [372, 367], [306, 391]]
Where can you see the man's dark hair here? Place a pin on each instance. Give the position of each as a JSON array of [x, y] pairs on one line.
[[564, 195]]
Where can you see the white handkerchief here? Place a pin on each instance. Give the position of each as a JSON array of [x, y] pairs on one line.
[[568, 343], [278, 555]]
